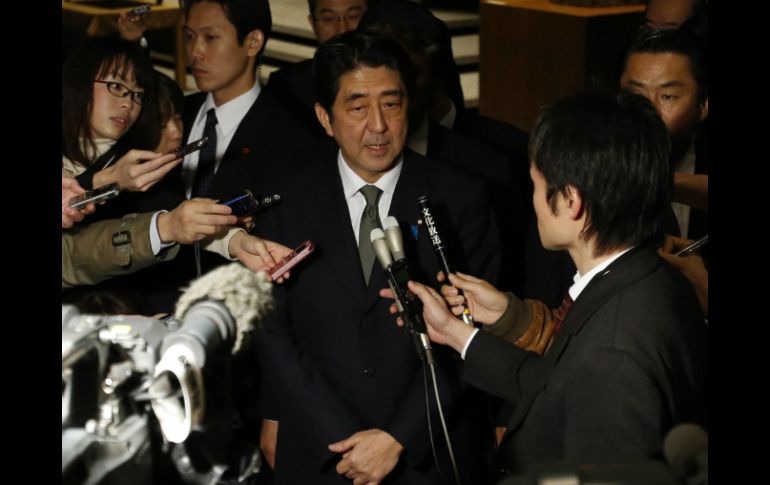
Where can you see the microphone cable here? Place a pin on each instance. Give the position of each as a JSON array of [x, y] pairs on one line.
[[443, 426], [427, 412], [388, 246]]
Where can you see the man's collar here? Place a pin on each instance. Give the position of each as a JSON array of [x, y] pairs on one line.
[[352, 182], [581, 281], [230, 114]]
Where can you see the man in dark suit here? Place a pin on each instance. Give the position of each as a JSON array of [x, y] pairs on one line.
[[438, 120], [347, 385], [248, 132], [624, 356], [669, 68]]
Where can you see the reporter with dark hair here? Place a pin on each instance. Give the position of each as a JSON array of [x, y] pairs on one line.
[[626, 359]]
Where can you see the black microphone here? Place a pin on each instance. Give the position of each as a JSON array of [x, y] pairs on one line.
[[397, 274], [426, 211]]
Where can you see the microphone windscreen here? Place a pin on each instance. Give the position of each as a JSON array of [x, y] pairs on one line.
[[246, 294], [380, 247], [683, 443], [394, 238]]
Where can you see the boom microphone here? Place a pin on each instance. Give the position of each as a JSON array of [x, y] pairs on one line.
[[426, 211]]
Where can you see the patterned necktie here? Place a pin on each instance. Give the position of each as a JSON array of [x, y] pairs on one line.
[[561, 313], [370, 219], [206, 159]]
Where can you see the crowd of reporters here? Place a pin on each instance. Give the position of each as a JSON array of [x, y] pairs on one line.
[[381, 105]]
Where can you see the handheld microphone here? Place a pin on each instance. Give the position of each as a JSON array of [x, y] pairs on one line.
[[426, 211], [393, 236], [397, 274]]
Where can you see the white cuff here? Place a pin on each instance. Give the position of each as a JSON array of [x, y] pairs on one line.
[[468, 343], [155, 243], [221, 245]]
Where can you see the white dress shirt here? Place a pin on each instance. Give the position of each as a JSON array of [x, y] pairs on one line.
[[352, 183], [229, 116]]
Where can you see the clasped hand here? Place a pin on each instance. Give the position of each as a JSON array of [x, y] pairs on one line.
[[367, 456]]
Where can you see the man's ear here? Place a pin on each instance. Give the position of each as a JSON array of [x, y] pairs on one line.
[[704, 109], [573, 202], [324, 119], [254, 42]]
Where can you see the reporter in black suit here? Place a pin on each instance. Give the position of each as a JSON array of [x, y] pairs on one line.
[[347, 384], [250, 133], [627, 361]]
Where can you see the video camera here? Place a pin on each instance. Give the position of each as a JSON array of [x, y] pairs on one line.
[[149, 400]]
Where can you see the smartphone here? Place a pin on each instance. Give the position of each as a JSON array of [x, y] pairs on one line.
[[245, 204], [99, 194], [140, 10], [291, 260], [689, 249], [190, 147]]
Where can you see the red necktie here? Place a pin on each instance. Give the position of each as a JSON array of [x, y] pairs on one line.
[[561, 312]]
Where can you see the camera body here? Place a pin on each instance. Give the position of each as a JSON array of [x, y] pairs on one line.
[[134, 400]]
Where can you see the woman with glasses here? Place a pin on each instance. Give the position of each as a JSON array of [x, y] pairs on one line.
[[105, 84], [113, 100], [113, 111]]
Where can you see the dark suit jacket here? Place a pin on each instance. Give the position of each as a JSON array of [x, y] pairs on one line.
[[335, 360], [628, 364], [265, 138]]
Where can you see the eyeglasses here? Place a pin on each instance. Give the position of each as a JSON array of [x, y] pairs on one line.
[[121, 91], [329, 19]]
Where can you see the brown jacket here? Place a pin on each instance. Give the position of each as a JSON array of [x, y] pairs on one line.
[[91, 253]]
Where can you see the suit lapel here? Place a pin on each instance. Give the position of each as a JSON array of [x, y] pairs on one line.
[[248, 145], [331, 218], [630, 267]]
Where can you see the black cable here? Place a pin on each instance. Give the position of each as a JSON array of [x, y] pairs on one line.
[[443, 425], [427, 410]]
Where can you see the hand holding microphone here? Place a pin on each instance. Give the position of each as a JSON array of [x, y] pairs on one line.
[[485, 301], [389, 248], [426, 212]]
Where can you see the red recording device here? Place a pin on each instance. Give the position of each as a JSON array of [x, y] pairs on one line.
[[291, 260]]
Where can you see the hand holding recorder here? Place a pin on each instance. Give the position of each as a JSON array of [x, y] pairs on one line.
[[682, 254], [70, 189], [95, 196], [137, 170], [246, 204], [281, 269]]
